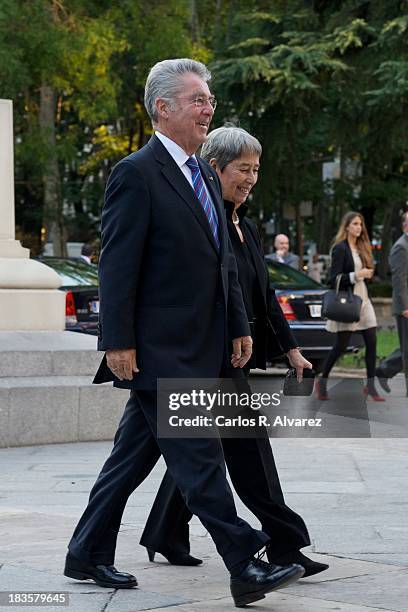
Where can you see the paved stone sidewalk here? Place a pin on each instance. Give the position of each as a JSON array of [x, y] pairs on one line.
[[353, 495]]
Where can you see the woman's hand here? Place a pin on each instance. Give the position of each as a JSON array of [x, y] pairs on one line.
[[298, 362], [365, 273]]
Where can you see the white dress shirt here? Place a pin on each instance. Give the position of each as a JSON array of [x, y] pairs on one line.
[[180, 157], [178, 154]]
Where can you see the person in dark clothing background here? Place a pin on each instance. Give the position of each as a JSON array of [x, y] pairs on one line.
[[235, 154], [398, 360]]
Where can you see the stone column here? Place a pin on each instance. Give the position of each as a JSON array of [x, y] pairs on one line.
[[29, 296]]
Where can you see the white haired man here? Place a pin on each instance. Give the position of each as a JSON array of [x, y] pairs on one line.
[[165, 265]]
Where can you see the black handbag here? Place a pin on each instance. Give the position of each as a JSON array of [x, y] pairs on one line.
[[341, 306]]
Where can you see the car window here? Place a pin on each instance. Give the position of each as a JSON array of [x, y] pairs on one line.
[[282, 276], [73, 273]]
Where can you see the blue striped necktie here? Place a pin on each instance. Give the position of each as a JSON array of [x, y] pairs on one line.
[[202, 195]]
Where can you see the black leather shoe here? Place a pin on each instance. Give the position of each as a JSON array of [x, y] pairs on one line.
[[383, 380], [104, 575], [259, 578], [295, 556], [175, 558]]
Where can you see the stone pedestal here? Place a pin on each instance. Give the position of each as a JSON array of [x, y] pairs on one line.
[[46, 390], [29, 296]]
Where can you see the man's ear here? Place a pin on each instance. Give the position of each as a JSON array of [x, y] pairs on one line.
[[162, 107]]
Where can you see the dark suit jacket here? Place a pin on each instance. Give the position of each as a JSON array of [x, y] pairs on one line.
[[273, 336], [165, 288], [342, 262], [398, 261]]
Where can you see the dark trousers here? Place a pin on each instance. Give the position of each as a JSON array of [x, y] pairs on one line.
[[196, 465], [253, 472], [397, 361]]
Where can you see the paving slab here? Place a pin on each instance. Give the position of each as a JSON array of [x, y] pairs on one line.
[[383, 558], [276, 602], [377, 590], [352, 494], [133, 600], [82, 596]]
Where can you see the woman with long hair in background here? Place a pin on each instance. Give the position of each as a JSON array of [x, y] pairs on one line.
[[352, 259]]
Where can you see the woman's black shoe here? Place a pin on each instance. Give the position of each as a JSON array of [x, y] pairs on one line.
[[104, 575], [175, 558], [295, 556]]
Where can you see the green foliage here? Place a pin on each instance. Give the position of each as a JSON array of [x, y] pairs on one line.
[[96, 57], [105, 145], [88, 84], [313, 81], [387, 342], [381, 290], [351, 36]]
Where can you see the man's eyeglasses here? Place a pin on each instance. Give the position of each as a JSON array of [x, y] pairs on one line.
[[201, 101]]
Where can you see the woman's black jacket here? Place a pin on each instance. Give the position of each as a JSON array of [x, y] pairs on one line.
[[342, 262], [272, 334]]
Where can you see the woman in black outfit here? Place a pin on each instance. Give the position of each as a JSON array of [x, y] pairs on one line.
[[352, 260], [235, 156]]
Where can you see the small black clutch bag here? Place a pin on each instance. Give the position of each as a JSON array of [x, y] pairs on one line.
[[292, 387]]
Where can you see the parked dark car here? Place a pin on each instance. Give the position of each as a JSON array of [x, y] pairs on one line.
[[80, 284], [300, 298]]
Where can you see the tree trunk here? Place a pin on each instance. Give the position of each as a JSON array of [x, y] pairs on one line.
[[230, 18], [217, 29], [52, 215], [368, 212], [194, 23], [343, 204], [299, 234], [130, 138], [324, 236]]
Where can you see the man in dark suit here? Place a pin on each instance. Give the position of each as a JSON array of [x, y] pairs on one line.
[[398, 260], [169, 301]]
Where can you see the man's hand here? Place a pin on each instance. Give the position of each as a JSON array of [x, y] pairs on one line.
[[242, 348], [405, 313], [297, 361], [122, 362]]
